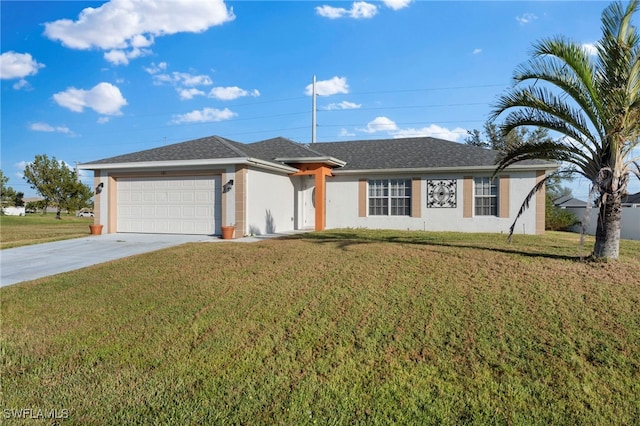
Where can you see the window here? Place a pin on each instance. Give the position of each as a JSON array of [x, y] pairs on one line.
[[486, 196], [390, 197]]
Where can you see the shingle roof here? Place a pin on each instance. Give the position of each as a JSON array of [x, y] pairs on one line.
[[215, 147], [631, 198], [569, 201], [409, 153], [198, 149]]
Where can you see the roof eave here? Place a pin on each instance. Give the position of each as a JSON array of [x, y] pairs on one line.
[[330, 161], [189, 163], [491, 169]]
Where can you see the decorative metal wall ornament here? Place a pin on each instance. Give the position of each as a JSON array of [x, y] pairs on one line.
[[441, 193]]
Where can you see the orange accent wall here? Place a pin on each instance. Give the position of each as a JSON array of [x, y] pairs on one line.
[[320, 172], [416, 197], [240, 187], [503, 199], [362, 198], [467, 196]]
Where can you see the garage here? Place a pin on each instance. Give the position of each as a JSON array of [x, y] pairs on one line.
[[169, 205]]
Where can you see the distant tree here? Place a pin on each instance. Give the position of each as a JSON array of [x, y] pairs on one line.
[[57, 184], [491, 137], [7, 193], [18, 200], [34, 206], [556, 218]]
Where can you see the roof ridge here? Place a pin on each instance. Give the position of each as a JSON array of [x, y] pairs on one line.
[[231, 145], [308, 146]]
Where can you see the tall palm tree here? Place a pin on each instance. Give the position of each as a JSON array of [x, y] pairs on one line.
[[594, 102]]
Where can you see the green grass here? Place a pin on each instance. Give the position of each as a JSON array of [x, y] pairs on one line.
[[344, 327], [18, 231]]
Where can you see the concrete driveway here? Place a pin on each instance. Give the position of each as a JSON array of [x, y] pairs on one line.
[[41, 260]]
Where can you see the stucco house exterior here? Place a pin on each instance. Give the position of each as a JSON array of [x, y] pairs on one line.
[[278, 185]]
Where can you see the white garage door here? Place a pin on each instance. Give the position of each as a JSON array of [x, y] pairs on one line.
[[169, 205]]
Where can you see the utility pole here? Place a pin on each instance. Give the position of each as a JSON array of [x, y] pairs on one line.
[[313, 110]]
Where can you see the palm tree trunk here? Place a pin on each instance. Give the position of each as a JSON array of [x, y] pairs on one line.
[[608, 229]]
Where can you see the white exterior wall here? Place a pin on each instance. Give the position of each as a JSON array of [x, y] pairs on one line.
[[342, 207], [629, 226], [271, 200]]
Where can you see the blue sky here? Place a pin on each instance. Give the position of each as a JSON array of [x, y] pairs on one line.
[[88, 80]]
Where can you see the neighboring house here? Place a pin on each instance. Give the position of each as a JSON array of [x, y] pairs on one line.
[[631, 200], [278, 185], [567, 201], [13, 211], [629, 223]]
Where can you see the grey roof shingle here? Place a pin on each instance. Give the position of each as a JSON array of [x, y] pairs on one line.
[[198, 149], [409, 153], [631, 198], [569, 201]]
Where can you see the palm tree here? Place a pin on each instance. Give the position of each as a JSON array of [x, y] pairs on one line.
[[594, 103]]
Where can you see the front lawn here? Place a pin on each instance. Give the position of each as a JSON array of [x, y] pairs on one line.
[[343, 327], [18, 231]]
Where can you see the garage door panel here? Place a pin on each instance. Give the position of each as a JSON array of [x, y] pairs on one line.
[[185, 205]]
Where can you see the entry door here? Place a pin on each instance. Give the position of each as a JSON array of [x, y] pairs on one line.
[[309, 202]]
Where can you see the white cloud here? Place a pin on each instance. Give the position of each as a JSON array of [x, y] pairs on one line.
[[329, 87], [359, 10], [231, 93], [182, 79], [433, 130], [343, 105], [154, 69], [186, 94], [526, 18], [397, 4], [590, 48], [186, 84], [205, 115], [121, 57], [380, 124], [21, 84], [477, 51], [190, 80], [103, 120], [18, 65], [345, 133], [44, 127], [125, 27], [104, 98]]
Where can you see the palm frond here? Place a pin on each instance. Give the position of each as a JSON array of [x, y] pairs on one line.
[[527, 200], [637, 170], [547, 106], [565, 65], [546, 150]]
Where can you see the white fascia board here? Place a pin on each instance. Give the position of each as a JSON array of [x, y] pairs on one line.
[[332, 161], [491, 169], [161, 164], [271, 166], [187, 164]]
